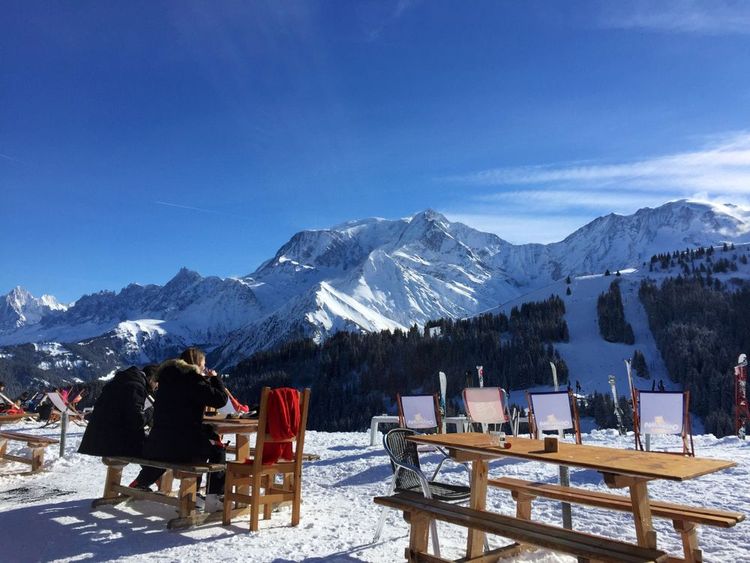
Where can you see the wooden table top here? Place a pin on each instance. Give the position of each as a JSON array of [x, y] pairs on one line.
[[224, 425], [8, 418], [650, 465]]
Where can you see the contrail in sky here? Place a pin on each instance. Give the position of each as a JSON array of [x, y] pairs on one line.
[[190, 208], [201, 209]]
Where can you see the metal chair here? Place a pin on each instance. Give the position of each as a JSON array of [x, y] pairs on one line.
[[408, 477]]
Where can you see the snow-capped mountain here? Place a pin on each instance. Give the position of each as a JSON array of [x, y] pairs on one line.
[[19, 308], [370, 274]]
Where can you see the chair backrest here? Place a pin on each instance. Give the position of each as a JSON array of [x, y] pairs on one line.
[[553, 411], [420, 412], [660, 412], [402, 452], [484, 405], [266, 442], [58, 402]]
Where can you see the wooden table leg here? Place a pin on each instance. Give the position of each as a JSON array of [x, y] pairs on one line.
[[479, 471], [37, 458], [242, 443], [644, 526]]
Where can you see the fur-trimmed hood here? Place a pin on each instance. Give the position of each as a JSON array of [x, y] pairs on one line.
[[180, 366]]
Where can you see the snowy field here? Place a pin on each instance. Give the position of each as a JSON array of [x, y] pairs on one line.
[[46, 517]]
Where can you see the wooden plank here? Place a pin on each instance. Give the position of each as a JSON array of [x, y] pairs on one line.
[[524, 531], [194, 468], [19, 459], [30, 438], [660, 509], [651, 465], [145, 495], [10, 418], [511, 550]]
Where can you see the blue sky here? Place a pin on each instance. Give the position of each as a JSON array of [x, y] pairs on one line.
[[139, 137]]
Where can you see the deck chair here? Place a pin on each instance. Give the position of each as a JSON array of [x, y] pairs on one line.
[[265, 487], [64, 407], [660, 412], [422, 413], [419, 412], [408, 477], [555, 411], [486, 406]]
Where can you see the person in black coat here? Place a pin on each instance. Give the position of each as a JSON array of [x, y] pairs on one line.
[[178, 434], [115, 427]]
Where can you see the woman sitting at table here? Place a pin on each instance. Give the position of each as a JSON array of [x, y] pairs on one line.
[[178, 434], [115, 427]]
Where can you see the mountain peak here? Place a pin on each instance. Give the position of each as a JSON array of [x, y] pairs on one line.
[[430, 215]]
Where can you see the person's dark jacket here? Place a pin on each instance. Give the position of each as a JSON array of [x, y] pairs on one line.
[[178, 433], [115, 427]]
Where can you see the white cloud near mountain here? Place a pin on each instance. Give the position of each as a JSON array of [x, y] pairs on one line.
[[547, 202], [714, 17], [722, 166]]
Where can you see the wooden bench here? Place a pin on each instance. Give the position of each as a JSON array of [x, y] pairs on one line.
[[115, 492], [232, 449], [418, 511], [36, 444], [684, 518]]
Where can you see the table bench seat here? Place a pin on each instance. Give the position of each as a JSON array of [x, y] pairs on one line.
[[684, 518], [187, 473], [36, 445], [232, 449], [418, 511]]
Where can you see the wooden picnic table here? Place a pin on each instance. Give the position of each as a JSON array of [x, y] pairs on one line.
[[620, 468]]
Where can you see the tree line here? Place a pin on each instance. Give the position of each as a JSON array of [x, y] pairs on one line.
[[354, 376], [700, 327]]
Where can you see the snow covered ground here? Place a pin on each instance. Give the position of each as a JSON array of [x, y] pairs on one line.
[[46, 517]]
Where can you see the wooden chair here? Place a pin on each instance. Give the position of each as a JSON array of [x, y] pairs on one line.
[[260, 480]]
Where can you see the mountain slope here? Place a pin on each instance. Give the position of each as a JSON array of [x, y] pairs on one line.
[[366, 275]]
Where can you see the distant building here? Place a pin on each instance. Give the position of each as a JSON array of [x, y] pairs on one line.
[[434, 331]]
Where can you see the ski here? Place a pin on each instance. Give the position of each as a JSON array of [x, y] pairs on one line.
[[618, 410], [554, 376], [443, 385], [480, 375]]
